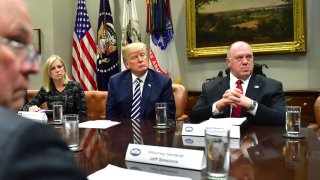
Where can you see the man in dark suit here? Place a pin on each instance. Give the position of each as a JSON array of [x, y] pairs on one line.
[[29, 150], [260, 99], [155, 87]]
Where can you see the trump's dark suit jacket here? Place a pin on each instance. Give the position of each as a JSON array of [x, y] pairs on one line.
[[30, 150], [157, 88], [267, 92]]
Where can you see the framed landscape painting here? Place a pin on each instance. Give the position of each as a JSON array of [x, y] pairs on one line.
[[36, 40], [270, 26]]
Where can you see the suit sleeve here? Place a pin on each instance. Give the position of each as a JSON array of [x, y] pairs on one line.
[[169, 98], [274, 112], [203, 109], [111, 111], [38, 152]]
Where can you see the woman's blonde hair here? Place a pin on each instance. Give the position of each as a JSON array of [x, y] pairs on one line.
[[47, 81]]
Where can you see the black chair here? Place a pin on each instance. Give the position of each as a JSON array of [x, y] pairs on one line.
[[257, 69]]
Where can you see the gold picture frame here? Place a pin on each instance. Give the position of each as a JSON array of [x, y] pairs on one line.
[[36, 40], [297, 44]]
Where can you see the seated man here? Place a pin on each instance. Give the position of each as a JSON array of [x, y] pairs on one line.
[[242, 93], [29, 150], [134, 92]]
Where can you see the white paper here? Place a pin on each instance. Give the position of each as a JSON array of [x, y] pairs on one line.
[[166, 156], [35, 116], [112, 172], [224, 121], [98, 124]]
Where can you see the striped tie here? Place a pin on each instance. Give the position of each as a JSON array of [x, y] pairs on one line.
[[136, 128], [136, 100]]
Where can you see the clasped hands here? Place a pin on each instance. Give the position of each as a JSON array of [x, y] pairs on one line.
[[233, 97], [34, 108]]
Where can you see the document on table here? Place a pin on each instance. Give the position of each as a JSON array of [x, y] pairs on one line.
[[98, 124], [116, 173], [215, 122]]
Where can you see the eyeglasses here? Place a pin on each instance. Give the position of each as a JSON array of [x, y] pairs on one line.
[[22, 51], [59, 67]]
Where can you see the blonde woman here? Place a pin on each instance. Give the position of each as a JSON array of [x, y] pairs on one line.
[[58, 87]]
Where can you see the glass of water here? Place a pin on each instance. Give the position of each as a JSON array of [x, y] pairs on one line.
[[57, 109], [217, 142], [293, 114], [71, 123]]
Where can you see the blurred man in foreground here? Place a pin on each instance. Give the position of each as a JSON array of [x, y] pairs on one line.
[[29, 150]]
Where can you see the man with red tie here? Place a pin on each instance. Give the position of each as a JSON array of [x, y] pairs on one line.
[[242, 93]]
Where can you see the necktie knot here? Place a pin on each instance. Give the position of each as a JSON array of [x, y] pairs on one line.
[[239, 82], [239, 85], [137, 81]]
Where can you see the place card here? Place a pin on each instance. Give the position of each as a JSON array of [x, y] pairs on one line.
[[170, 171], [115, 173], [166, 156], [35, 116], [199, 141], [233, 124]]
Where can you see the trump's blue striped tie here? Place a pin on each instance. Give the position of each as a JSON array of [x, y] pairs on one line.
[[135, 113], [136, 100]]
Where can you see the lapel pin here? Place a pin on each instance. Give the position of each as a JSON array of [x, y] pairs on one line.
[[149, 85], [256, 86]]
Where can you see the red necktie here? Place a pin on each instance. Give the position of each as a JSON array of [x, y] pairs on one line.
[[236, 111]]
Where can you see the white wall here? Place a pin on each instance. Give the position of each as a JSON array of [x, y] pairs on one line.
[[56, 20]]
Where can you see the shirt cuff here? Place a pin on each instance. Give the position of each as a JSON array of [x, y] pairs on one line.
[[254, 111], [215, 111]]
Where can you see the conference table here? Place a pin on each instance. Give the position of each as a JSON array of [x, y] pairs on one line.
[[266, 154]]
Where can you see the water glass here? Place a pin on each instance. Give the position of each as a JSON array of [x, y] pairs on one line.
[[217, 142], [71, 123], [161, 114], [293, 114], [57, 110]]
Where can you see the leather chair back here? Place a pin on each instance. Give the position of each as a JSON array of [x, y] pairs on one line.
[[96, 104], [180, 96]]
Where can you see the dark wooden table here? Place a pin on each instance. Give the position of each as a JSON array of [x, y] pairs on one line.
[[268, 156]]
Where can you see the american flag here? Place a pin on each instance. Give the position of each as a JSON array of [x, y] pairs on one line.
[[84, 50]]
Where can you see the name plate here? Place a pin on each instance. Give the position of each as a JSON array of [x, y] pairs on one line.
[[233, 124], [166, 156], [170, 171], [35, 116], [198, 141]]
